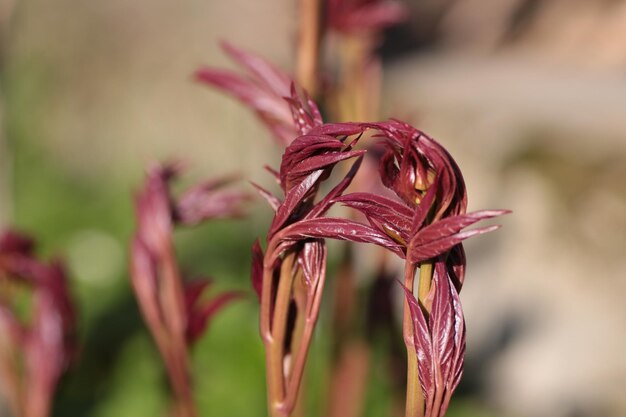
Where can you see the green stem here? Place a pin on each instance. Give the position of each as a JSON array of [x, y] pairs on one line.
[[426, 277], [414, 396], [275, 344]]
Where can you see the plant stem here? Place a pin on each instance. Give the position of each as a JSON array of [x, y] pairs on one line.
[[308, 45], [275, 349], [426, 276], [300, 296], [414, 395], [175, 351]]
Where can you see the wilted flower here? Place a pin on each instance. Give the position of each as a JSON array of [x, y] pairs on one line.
[[173, 310], [34, 352]]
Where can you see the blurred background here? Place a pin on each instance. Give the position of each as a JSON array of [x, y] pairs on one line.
[[529, 96]]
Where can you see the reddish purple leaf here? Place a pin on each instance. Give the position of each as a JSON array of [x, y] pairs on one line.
[[448, 338], [424, 207], [293, 199], [194, 290], [312, 260], [338, 129], [153, 208], [304, 111], [271, 199], [38, 350], [423, 345], [262, 70], [322, 161], [456, 266], [257, 268], [364, 16], [264, 92], [301, 149], [204, 202], [200, 315], [13, 241], [339, 229], [322, 207], [393, 216], [442, 235]]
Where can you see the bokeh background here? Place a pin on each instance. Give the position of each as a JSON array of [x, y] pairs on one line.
[[528, 95]]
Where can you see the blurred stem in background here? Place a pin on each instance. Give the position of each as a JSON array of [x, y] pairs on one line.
[[356, 97], [308, 45], [6, 160], [307, 72]]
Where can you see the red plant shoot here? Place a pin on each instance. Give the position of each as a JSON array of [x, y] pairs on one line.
[[172, 308], [34, 353]]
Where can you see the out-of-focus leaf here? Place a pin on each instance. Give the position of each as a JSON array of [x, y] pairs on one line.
[[364, 16], [194, 290], [271, 199], [35, 352], [257, 268], [205, 202], [264, 93], [261, 69], [13, 241], [201, 313]]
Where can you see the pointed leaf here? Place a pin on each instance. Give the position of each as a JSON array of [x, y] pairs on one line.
[[321, 161], [257, 268], [200, 316], [393, 215], [324, 205], [264, 72], [442, 235], [271, 199], [422, 344], [194, 290], [448, 338], [304, 112], [312, 260], [292, 200], [339, 229], [203, 202], [337, 129]]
